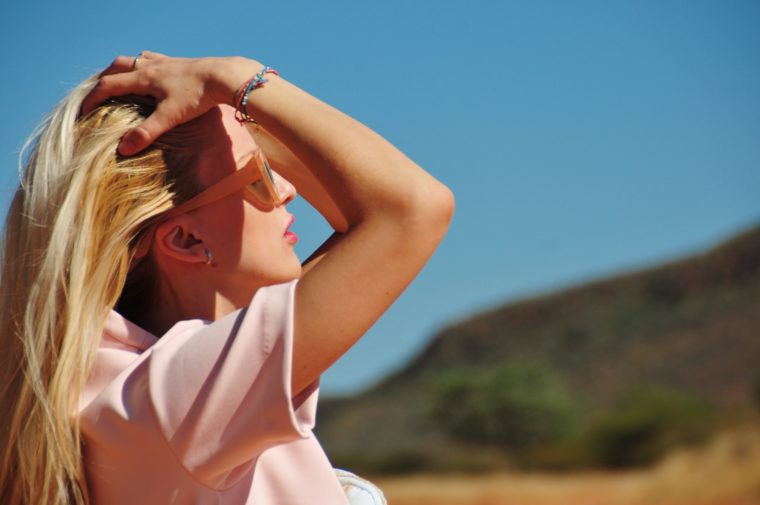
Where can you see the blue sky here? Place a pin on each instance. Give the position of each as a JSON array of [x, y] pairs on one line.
[[580, 138]]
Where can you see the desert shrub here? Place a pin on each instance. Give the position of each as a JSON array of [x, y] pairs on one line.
[[644, 424], [517, 406]]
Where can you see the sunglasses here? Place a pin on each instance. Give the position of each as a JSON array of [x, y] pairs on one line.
[[255, 178]]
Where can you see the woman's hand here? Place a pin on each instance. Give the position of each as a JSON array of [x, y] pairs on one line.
[[184, 88]]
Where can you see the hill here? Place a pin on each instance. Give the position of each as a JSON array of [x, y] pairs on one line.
[[690, 328]]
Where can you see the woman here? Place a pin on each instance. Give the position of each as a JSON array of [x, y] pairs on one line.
[[201, 386]]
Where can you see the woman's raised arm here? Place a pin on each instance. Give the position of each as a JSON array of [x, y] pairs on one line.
[[396, 213]]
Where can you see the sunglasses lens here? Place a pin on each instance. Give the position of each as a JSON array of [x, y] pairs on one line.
[[260, 191], [267, 172], [270, 182], [265, 188]]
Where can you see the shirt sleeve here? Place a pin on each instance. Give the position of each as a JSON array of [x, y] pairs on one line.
[[221, 391]]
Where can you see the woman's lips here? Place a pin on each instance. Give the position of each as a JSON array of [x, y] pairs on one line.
[[289, 235]]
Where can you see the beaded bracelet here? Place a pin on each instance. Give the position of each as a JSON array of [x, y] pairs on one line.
[[256, 81]]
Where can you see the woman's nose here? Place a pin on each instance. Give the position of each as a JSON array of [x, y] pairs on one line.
[[285, 189]]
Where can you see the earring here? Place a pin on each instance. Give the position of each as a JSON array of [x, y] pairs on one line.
[[209, 257]]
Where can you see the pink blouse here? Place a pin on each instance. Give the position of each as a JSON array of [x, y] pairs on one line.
[[204, 415]]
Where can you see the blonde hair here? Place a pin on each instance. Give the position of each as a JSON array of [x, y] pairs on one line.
[[68, 249]]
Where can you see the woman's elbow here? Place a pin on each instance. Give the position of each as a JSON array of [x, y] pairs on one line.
[[423, 204], [432, 210], [442, 204]]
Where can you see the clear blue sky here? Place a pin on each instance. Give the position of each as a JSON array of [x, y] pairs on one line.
[[580, 138]]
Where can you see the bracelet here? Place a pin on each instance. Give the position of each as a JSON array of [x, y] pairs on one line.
[[255, 82]]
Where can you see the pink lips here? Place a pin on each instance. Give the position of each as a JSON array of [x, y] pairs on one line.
[[291, 237]]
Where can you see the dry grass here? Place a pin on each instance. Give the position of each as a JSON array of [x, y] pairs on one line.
[[725, 472]]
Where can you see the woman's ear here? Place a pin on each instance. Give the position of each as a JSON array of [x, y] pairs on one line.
[[178, 239]]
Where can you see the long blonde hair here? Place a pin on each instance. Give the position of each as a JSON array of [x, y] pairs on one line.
[[68, 248]]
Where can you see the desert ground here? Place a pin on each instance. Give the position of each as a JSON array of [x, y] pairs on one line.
[[724, 472]]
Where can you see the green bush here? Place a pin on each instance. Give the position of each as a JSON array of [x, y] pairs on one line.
[[517, 406], [645, 423]]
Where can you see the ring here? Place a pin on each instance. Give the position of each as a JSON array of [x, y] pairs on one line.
[[137, 58]]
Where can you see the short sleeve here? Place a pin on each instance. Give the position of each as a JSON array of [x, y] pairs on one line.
[[221, 391]]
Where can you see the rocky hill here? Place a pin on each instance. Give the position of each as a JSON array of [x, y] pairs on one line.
[[691, 326]]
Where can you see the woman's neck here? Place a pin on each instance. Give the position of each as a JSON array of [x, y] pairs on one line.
[[179, 300]]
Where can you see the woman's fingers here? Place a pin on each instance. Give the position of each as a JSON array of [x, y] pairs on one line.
[[118, 65], [115, 84], [108, 87], [137, 139], [162, 120], [130, 63], [152, 55], [183, 88]]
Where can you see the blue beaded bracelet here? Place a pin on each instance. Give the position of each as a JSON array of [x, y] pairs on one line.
[[256, 82]]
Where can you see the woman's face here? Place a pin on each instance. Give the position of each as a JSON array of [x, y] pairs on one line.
[[250, 244]]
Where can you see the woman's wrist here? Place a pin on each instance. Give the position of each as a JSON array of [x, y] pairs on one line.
[[244, 93], [227, 77]]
